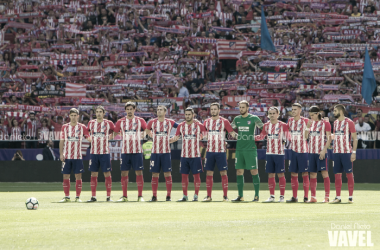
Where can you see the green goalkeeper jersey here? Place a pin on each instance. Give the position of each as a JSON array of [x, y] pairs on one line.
[[246, 127]]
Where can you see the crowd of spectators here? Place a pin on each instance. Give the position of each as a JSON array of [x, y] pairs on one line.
[[55, 55]]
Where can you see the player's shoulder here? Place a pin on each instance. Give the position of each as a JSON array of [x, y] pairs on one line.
[[64, 126], [290, 119], [349, 120], [169, 120], [282, 123], [121, 119]]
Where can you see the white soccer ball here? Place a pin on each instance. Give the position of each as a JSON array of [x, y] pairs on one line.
[[31, 203]]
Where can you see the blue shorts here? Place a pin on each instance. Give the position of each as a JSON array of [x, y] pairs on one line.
[[298, 162], [219, 158], [97, 161], [193, 164], [71, 164], [317, 165], [342, 162], [275, 164], [129, 161], [160, 161]]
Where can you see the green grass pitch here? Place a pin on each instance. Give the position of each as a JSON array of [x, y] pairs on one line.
[[174, 225]]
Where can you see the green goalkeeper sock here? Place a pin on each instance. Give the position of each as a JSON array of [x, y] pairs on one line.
[[240, 184], [256, 184]]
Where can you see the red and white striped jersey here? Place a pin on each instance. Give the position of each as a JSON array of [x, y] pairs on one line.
[[131, 133], [44, 134], [73, 135], [115, 150], [297, 128], [31, 128], [15, 134], [342, 136], [100, 132], [317, 136], [191, 134], [216, 132], [275, 133], [161, 135]]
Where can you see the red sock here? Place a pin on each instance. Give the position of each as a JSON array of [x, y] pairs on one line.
[[338, 183], [124, 185], [225, 184], [154, 185], [140, 184], [209, 183], [271, 185], [282, 184], [94, 184], [185, 183], [350, 183], [66, 187], [197, 183], [108, 185], [306, 185], [295, 185], [78, 187], [169, 184], [327, 186], [313, 187]]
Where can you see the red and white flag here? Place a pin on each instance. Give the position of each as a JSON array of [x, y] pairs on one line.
[[275, 78], [230, 49], [75, 90]]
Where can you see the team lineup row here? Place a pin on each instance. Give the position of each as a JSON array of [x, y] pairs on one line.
[[309, 140]]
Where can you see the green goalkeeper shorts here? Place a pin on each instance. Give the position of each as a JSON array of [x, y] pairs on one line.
[[246, 160]]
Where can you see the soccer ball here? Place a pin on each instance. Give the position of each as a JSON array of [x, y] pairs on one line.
[[31, 203]]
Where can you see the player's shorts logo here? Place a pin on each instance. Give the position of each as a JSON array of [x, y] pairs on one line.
[[63, 165], [89, 163]]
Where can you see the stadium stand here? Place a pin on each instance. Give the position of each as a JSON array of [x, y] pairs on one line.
[[55, 55]]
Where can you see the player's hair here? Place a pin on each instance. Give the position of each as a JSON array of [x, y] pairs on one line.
[[297, 105], [245, 102], [360, 110], [190, 110], [102, 108], [74, 110], [340, 107], [315, 109], [130, 104], [275, 108], [162, 107], [215, 104]]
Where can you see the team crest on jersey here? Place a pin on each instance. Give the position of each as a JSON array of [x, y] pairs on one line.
[[248, 122], [77, 131], [299, 125], [194, 129], [320, 125], [103, 126], [134, 124], [277, 128], [166, 126]]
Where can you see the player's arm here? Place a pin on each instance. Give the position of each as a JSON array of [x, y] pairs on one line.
[[176, 136], [148, 129], [111, 130], [262, 135], [61, 144], [354, 138], [233, 126], [205, 135], [202, 130], [258, 122], [86, 134], [229, 129], [143, 127], [307, 130]]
